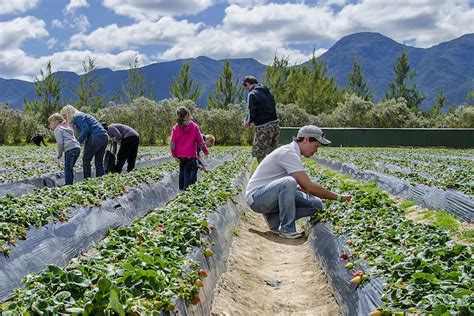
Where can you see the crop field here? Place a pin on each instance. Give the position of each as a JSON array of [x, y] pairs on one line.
[[442, 168], [23, 162], [410, 266], [133, 244]]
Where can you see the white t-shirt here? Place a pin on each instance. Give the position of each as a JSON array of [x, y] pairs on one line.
[[280, 163]]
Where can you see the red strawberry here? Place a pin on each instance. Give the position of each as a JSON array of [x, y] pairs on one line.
[[358, 273], [196, 300], [344, 256], [202, 273]]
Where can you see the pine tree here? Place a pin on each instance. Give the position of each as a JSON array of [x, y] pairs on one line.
[[439, 104], [317, 93], [47, 97], [357, 82], [226, 91], [87, 93], [137, 85], [276, 78], [399, 88], [185, 87]]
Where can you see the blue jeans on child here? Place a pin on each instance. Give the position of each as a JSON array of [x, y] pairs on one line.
[[70, 158], [282, 204], [187, 172], [94, 147]]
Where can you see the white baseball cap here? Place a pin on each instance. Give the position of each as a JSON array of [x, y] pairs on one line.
[[315, 132]]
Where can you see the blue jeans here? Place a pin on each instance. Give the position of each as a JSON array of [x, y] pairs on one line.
[[282, 204], [94, 147], [70, 158], [187, 172]]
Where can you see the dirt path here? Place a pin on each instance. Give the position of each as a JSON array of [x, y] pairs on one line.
[[269, 275]]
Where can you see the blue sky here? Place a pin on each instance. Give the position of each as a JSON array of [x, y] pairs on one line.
[[115, 31]]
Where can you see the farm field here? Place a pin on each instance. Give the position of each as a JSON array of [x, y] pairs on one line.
[[140, 268], [442, 168], [402, 264], [169, 258], [23, 162]]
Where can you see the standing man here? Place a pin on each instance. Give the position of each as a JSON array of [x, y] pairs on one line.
[[129, 139], [262, 112], [281, 190]]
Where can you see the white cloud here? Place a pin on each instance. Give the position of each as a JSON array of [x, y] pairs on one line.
[[164, 31], [14, 32], [261, 31], [57, 24], [247, 3], [73, 5], [154, 9], [17, 64], [80, 23], [424, 22], [52, 42], [219, 44], [16, 6]]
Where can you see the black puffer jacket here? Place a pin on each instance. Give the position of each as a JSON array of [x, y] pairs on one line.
[[261, 105]]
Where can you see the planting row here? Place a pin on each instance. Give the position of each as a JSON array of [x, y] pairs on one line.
[[139, 269], [18, 213], [422, 268], [15, 156], [44, 163], [443, 168]]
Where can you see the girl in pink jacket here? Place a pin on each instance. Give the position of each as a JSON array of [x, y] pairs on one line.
[[185, 138]]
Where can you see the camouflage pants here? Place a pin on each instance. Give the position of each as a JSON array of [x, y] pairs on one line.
[[266, 139]]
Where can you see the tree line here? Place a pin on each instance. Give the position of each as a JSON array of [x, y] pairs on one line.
[[305, 94]]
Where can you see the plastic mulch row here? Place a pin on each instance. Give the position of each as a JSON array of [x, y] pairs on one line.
[[459, 204], [57, 243]]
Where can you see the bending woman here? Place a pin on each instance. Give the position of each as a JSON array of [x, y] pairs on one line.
[[92, 134]]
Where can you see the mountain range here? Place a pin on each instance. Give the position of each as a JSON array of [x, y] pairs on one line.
[[447, 67]]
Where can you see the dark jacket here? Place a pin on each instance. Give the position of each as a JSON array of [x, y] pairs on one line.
[[88, 126], [119, 132], [261, 104]]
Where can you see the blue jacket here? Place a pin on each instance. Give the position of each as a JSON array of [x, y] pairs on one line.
[[88, 126]]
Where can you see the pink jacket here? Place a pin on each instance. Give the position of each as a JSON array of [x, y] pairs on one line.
[[184, 141]]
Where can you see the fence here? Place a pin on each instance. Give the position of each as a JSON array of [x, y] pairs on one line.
[[389, 137]]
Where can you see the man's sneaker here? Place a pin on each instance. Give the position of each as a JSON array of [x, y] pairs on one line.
[[291, 235], [274, 231]]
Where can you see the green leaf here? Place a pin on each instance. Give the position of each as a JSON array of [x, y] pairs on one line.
[[115, 304], [459, 293]]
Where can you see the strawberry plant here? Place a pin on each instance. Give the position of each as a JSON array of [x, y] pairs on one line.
[[423, 268], [443, 168], [138, 269], [41, 206], [27, 162]]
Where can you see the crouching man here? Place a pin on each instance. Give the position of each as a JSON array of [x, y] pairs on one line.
[[281, 190]]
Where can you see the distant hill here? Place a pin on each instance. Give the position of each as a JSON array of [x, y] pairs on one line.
[[448, 66]]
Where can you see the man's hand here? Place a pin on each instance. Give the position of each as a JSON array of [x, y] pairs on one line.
[[346, 198], [246, 125], [177, 160]]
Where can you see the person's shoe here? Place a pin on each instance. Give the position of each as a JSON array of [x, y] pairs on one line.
[[291, 235], [274, 231]]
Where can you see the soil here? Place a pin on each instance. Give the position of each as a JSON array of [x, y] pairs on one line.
[[270, 275]]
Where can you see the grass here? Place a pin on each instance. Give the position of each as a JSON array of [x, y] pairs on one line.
[[236, 232], [405, 205]]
